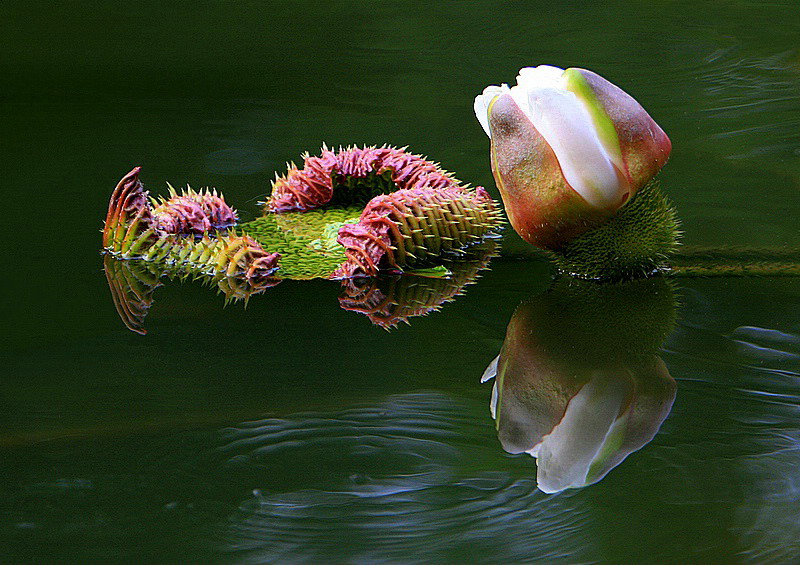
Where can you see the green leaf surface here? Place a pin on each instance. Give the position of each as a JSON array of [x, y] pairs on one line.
[[306, 240]]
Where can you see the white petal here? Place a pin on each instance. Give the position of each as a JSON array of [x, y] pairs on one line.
[[567, 126], [532, 79], [542, 76], [482, 102], [520, 96]]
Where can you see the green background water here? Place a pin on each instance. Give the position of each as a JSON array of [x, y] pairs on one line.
[[297, 431]]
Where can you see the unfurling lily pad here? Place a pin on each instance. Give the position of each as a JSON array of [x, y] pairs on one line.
[[307, 231], [353, 214]]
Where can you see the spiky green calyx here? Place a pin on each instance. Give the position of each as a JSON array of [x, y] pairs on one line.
[[638, 241]]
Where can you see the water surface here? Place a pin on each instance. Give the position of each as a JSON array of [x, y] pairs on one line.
[[296, 430]]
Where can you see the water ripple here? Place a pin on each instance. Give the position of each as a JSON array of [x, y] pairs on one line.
[[431, 502], [752, 103]]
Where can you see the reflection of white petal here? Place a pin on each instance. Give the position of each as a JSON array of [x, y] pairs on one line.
[[493, 402], [534, 451], [568, 128], [567, 453], [491, 370], [489, 374], [482, 102]]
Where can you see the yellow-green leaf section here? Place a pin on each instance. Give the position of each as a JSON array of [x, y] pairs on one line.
[[306, 240]]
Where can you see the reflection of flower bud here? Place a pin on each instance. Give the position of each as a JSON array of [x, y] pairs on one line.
[[582, 404], [568, 150]]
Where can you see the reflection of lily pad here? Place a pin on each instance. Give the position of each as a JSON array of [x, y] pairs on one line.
[[389, 300], [438, 272]]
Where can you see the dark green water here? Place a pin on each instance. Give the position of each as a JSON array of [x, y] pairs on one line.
[[295, 430]]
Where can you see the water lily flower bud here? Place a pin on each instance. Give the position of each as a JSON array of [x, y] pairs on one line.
[[568, 150]]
